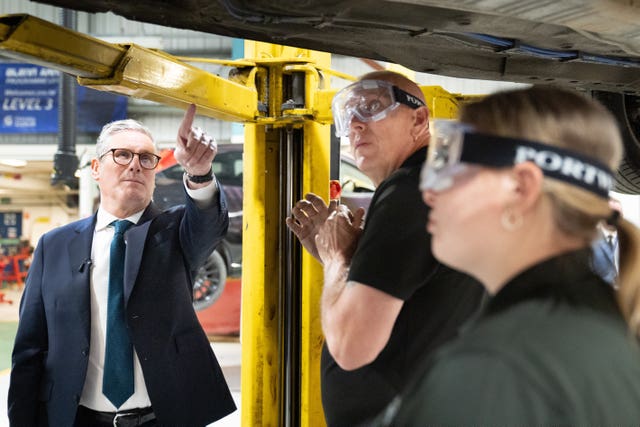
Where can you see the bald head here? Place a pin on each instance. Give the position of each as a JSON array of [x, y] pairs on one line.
[[396, 79]]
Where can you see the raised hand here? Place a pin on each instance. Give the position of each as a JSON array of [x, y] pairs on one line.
[[308, 215], [195, 150], [338, 237]]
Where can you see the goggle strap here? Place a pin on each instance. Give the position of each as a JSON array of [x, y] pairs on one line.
[[406, 98], [555, 162]]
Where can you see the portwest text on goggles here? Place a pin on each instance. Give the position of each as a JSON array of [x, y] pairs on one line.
[[454, 145], [368, 101]]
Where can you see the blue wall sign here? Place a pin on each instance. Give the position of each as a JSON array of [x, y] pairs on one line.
[[30, 99], [10, 226]]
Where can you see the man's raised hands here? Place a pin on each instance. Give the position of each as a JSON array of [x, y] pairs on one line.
[[307, 216]]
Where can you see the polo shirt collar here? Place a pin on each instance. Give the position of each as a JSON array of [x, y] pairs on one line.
[[416, 158]]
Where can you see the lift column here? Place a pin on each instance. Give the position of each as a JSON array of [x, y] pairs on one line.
[[285, 157]]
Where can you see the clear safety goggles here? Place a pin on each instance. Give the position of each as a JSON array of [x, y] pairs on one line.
[[368, 101], [454, 146]]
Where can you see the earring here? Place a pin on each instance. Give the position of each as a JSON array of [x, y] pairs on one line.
[[510, 220]]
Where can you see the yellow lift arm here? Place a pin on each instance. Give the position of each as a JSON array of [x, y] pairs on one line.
[[139, 72], [282, 95]]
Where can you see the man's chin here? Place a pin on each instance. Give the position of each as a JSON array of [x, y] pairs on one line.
[[137, 198], [363, 163]]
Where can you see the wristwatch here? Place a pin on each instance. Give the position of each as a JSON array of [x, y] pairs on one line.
[[201, 179]]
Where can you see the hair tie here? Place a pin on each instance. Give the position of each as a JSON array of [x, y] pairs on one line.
[[613, 218]]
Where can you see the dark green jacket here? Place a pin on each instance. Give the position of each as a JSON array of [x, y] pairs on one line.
[[550, 349]]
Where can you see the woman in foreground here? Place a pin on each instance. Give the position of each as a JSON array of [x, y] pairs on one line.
[[516, 188]]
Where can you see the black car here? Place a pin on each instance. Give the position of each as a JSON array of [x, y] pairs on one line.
[[226, 260]]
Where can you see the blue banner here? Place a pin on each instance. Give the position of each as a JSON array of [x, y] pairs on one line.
[[30, 94], [29, 98]]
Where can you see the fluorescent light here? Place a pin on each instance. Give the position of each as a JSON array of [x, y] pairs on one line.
[[14, 163]]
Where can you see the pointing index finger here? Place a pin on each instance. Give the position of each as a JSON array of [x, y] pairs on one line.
[[187, 122]]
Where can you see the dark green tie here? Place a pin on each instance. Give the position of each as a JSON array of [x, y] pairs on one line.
[[117, 381]]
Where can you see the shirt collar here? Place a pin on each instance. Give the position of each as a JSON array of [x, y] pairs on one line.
[[104, 218], [417, 158], [606, 232]]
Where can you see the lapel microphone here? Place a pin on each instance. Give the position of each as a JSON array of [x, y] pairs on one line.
[[87, 262]]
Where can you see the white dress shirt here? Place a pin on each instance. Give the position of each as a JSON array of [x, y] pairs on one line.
[[92, 396]]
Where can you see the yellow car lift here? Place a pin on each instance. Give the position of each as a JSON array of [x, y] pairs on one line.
[[283, 96]]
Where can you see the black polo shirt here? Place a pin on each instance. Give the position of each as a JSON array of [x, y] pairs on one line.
[[394, 256]]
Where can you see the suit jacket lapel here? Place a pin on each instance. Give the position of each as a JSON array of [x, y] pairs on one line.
[[79, 250], [605, 250], [609, 252], [135, 239]]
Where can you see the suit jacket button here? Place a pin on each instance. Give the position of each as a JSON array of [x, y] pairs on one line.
[[85, 352]]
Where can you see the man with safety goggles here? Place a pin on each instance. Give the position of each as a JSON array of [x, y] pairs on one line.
[[368, 101], [386, 301]]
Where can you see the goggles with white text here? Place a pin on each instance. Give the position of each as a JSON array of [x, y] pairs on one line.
[[368, 101], [455, 145]]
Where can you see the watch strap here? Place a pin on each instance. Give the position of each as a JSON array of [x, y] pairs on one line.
[[201, 179]]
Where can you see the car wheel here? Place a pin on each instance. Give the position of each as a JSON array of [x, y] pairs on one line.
[[209, 282], [626, 109]]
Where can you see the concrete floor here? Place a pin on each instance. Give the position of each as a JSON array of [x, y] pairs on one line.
[[227, 351]]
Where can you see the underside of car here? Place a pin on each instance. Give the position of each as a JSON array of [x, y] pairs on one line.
[[593, 46]]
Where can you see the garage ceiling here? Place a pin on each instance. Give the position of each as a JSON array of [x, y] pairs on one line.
[[591, 44], [587, 44]]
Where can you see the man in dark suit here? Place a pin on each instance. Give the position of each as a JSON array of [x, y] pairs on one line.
[[605, 248], [63, 344]]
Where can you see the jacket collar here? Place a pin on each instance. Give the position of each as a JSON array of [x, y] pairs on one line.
[[566, 278]]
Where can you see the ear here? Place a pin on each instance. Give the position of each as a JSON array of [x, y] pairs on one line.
[[528, 179], [95, 169], [420, 122]]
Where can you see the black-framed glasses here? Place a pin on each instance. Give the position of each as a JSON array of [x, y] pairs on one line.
[[123, 157]]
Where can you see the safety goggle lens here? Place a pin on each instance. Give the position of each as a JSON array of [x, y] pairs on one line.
[[368, 100]]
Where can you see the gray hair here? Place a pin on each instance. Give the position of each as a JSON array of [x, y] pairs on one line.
[[119, 126]]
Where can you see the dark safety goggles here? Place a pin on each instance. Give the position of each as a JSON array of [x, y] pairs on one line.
[[368, 101], [455, 145]]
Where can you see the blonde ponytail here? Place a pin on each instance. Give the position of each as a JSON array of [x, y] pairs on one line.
[[629, 277]]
